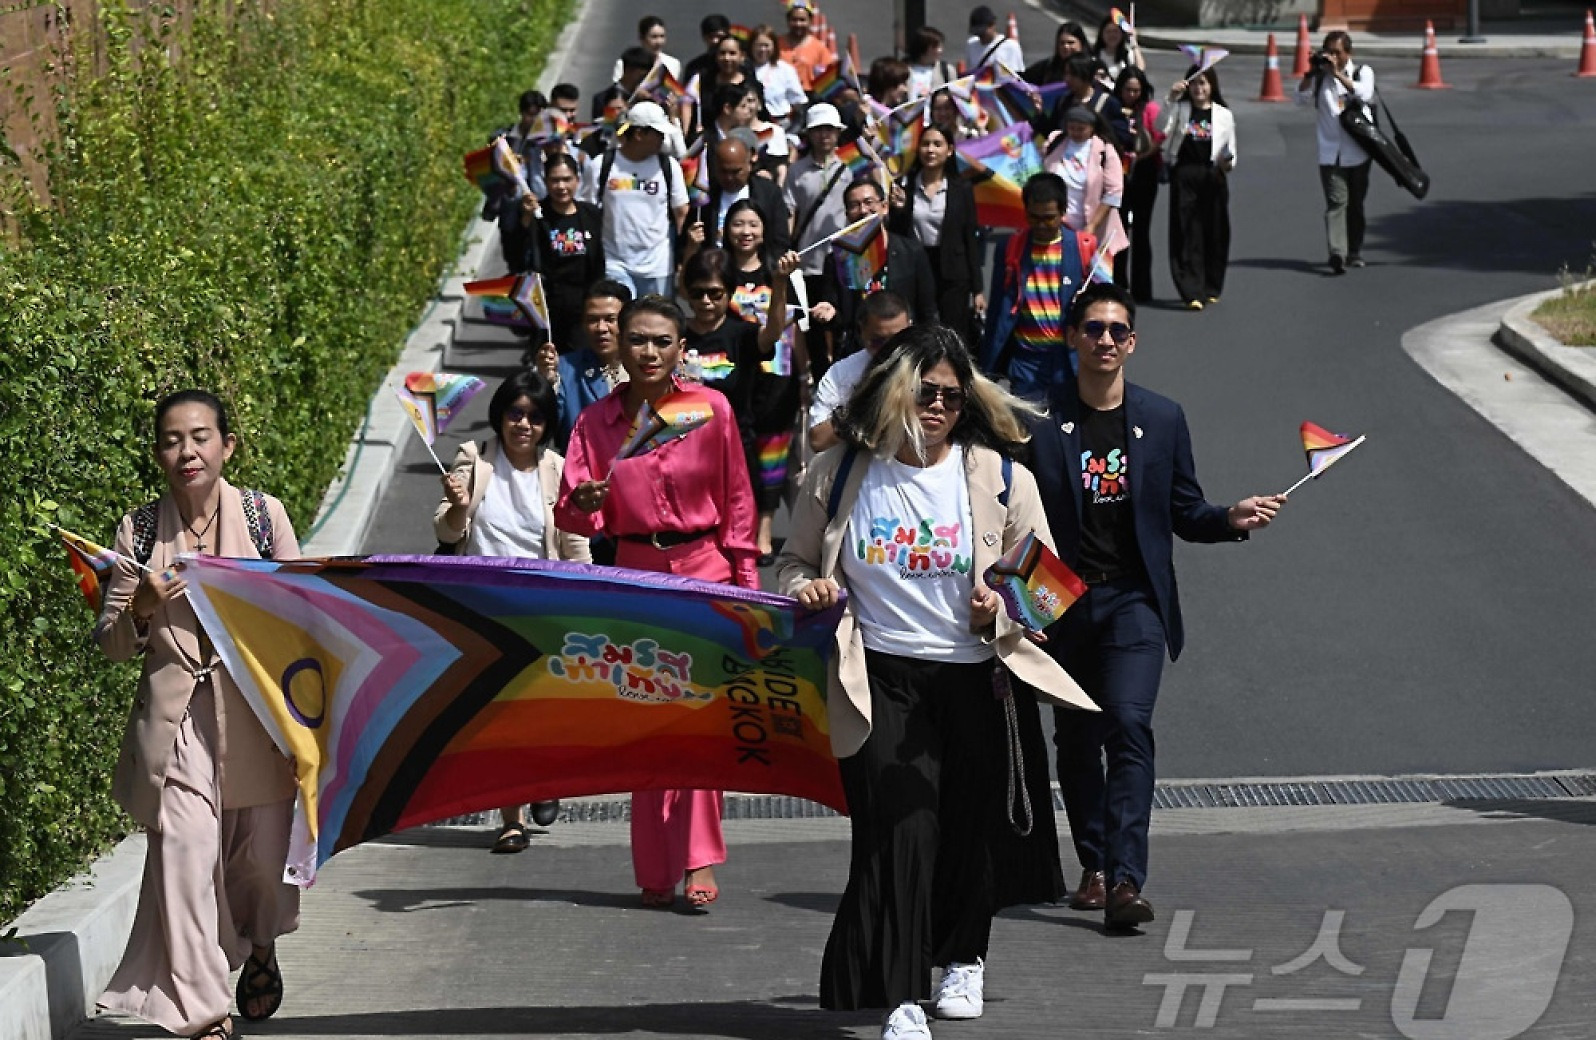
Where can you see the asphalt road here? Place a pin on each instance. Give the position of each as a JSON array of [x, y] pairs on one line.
[[1425, 606]]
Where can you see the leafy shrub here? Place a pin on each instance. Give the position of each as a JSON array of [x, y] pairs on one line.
[[258, 200]]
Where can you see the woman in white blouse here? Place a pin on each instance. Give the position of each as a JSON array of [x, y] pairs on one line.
[[499, 501], [784, 92]]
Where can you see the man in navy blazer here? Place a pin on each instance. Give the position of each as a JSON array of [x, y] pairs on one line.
[[1114, 465]]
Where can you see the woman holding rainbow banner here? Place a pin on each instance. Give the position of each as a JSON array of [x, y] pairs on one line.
[[197, 770]]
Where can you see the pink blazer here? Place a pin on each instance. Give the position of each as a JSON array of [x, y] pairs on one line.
[[1105, 185]]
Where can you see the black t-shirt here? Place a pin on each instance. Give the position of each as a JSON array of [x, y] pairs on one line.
[[729, 360], [1108, 524], [563, 247], [1198, 144]]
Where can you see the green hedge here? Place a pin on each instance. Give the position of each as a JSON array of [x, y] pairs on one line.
[[265, 215]]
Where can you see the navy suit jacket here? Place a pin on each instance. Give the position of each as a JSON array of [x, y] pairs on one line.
[[581, 383], [1165, 496]]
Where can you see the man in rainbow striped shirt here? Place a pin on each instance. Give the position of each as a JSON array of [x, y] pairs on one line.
[[1031, 292]]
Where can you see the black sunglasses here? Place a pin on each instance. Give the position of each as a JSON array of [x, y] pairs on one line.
[[951, 396], [1119, 330]]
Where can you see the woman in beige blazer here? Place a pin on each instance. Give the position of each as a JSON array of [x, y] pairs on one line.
[[927, 503], [499, 501], [197, 770]]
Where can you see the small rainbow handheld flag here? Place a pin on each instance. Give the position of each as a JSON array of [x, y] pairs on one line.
[[840, 75], [1204, 58], [1324, 449], [659, 85], [433, 399], [496, 168], [861, 252], [512, 299], [859, 157], [671, 418], [1119, 19], [93, 565], [1035, 585]]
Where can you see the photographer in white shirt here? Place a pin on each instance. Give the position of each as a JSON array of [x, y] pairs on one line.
[[1343, 164]]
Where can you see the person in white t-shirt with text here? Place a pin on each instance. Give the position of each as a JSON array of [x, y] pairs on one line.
[[644, 198], [987, 46], [1331, 81]]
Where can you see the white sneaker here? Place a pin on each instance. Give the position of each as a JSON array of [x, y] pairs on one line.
[[907, 1022], [960, 995]]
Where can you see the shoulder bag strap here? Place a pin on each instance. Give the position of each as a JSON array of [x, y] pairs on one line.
[[259, 521], [146, 520], [838, 482], [814, 207]]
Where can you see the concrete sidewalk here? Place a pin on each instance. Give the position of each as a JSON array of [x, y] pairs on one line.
[[1271, 923]]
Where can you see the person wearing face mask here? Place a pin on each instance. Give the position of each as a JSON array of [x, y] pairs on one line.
[[687, 509], [938, 210], [498, 500], [1092, 171], [197, 769], [930, 681], [1200, 152]]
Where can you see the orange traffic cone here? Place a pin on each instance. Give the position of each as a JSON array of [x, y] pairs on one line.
[[1270, 90], [1014, 27], [853, 52], [831, 39], [1300, 64], [1430, 64], [819, 26], [1587, 53]]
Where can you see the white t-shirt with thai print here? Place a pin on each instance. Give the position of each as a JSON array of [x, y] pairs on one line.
[[908, 558]]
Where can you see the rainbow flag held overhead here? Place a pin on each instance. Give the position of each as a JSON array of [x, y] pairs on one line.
[[898, 134], [552, 125], [1323, 448], [1204, 58], [671, 418], [659, 85], [410, 689], [496, 168], [1035, 585], [835, 78], [514, 300], [743, 34], [861, 159], [433, 399], [1119, 18], [1007, 95], [93, 564]]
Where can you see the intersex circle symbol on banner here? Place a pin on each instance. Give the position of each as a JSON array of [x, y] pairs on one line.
[[307, 703]]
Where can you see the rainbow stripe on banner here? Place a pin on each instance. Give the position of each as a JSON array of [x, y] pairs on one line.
[[410, 689], [93, 564], [1035, 585]]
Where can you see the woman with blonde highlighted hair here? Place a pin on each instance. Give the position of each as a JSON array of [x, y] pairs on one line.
[[907, 513]]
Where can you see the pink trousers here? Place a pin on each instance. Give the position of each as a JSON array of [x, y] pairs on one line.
[[676, 830], [212, 889]]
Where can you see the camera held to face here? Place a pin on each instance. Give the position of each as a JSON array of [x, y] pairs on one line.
[[1323, 61]]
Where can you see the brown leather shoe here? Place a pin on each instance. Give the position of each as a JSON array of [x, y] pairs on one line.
[[1126, 908], [1092, 893]]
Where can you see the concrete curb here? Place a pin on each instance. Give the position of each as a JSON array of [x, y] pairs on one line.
[[1572, 368], [75, 936]]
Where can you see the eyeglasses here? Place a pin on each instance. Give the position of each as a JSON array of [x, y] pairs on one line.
[[1118, 330], [515, 415], [708, 292], [952, 397]]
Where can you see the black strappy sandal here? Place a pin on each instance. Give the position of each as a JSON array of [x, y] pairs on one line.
[[222, 1030], [252, 988]]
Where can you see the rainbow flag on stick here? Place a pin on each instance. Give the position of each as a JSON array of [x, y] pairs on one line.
[[496, 168], [998, 202], [671, 418], [659, 85], [1324, 449], [861, 252], [840, 75], [1035, 585], [432, 400], [93, 564], [512, 300], [409, 689], [1204, 58]]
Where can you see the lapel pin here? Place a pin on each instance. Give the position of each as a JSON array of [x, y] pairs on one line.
[[989, 538], [1137, 430], [1068, 427], [591, 372]]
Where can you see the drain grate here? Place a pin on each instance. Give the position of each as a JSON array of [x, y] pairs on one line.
[[1407, 790]]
